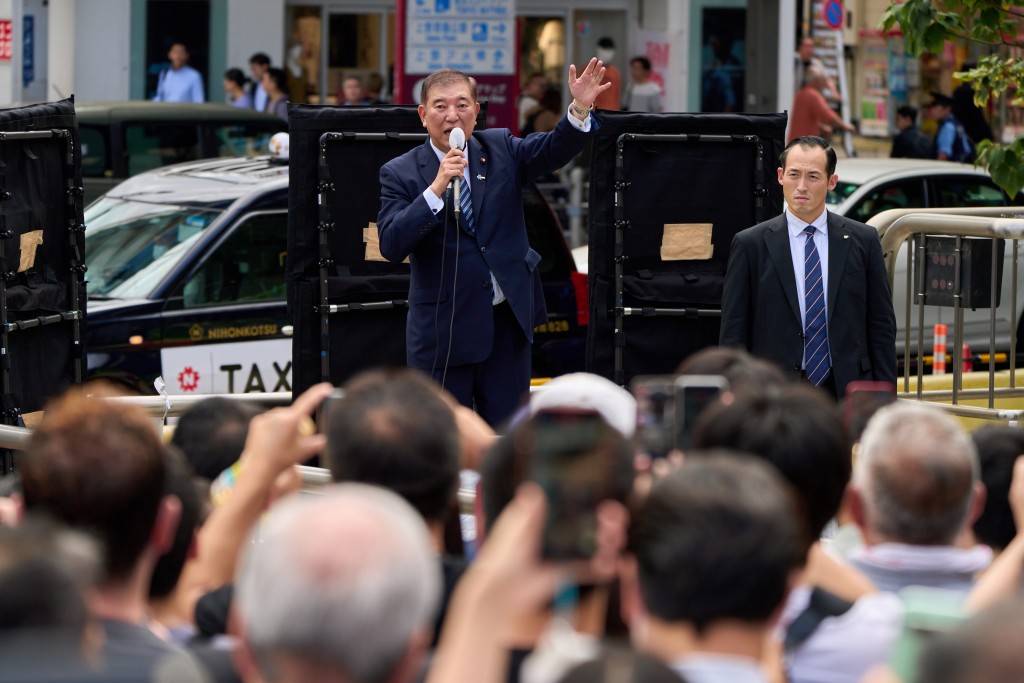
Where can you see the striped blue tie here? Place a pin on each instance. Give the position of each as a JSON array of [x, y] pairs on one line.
[[817, 360], [466, 205]]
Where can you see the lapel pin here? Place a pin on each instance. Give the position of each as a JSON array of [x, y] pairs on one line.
[[483, 160], [846, 237], [480, 177]]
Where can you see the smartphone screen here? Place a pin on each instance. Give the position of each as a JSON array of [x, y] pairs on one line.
[[862, 400], [694, 393], [576, 475], [655, 414]]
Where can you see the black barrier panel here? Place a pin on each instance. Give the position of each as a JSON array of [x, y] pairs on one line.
[[348, 305], [668, 192], [42, 292]]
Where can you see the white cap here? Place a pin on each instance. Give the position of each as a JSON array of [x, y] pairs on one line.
[[584, 391], [279, 145]]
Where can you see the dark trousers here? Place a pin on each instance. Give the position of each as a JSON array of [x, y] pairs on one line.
[[496, 386]]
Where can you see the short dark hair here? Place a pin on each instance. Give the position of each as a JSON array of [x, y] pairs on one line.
[[606, 42], [279, 77], [236, 76], [908, 111], [716, 539], [260, 58], [182, 486], [740, 369], [812, 141], [508, 463], [212, 434], [446, 77], [391, 428], [998, 447], [45, 571], [98, 466], [644, 63], [795, 429]]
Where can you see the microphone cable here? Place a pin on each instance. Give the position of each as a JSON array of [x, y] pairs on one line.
[[437, 302], [455, 281]]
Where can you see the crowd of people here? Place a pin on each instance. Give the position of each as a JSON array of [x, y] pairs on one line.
[[765, 552]]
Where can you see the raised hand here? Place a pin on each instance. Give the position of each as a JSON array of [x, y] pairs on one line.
[[586, 87]]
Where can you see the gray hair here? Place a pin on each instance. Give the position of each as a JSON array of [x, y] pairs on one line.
[[345, 579], [916, 472]]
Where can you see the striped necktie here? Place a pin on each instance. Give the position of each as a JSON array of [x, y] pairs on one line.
[[466, 206], [817, 359]]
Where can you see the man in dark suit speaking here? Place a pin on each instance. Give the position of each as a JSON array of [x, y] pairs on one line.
[[475, 294], [807, 289]]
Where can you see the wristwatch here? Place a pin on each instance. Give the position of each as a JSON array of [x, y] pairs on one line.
[[580, 110]]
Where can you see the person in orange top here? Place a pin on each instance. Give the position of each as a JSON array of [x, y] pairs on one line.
[[612, 97], [811, 114]]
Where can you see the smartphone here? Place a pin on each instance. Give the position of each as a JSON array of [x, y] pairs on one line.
[[655, 414], [576, 475], [862, 400], [694, 393]]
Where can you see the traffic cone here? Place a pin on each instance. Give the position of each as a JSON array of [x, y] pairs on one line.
[[939, 350], [968, 361]]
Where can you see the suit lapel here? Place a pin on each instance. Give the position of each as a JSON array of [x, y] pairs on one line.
[[777, 243], [427, 162], [838, 249], [477, 177]]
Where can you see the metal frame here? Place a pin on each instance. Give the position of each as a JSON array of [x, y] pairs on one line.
[[618, 310], [72, 210], [899, 226], [325, 226]]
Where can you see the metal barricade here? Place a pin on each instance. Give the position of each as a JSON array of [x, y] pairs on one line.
[[907, 228]]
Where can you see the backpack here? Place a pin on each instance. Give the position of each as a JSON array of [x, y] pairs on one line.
[[963, 146]]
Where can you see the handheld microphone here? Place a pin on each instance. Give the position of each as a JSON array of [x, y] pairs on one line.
[[457, 139]]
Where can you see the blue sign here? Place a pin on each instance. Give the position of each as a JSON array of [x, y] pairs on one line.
[[833, 11], [472, 35], [28, 50]]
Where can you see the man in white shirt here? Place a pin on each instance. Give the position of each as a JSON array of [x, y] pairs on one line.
[[179, 83]]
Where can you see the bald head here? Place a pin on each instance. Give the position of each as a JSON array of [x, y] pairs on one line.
[[915, 475]]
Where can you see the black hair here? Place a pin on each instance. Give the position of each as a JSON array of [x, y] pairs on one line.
[[260, 58], [606, 42], [740, 369], [181, 485], [812, 141], [280, 78], [391, 428], [644, 63], [908, 111], [236, 76], [798, 431], [998, 447], [716, 539], [212, 434]]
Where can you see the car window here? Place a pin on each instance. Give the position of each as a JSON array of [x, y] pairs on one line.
[[247, 266], [151, 146], [968, 191], [901, 194], [243, 139], [95, 152], [841, 192], [125, 239]]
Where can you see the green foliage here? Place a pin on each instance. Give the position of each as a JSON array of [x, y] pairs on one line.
[[927, 25]]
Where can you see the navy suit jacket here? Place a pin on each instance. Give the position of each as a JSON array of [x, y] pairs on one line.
[[761, 311], [450, 289]]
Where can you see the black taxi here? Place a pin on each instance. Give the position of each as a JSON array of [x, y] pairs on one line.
[[187, 281]]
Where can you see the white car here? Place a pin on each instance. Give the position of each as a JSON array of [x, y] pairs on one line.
[[867, 187]]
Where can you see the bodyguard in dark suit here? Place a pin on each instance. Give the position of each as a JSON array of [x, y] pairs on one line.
[[807, 289], [475, 294]]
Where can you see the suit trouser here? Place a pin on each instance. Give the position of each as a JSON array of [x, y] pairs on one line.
[[496, 386]]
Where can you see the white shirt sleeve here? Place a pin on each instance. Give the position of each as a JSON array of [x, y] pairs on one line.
[[583, 125], [434, 203]]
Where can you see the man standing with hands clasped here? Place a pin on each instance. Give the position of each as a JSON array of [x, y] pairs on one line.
[[807, 289], [475, 294]]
